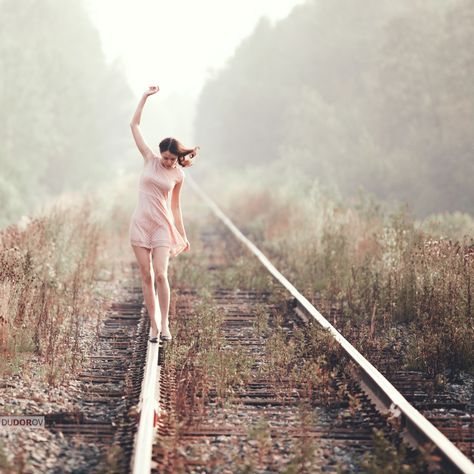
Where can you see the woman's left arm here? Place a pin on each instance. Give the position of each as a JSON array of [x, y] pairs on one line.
[[176, 208]]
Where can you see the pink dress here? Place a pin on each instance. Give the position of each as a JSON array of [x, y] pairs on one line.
[[152, 224]]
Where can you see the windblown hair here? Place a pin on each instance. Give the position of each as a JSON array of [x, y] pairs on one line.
[[175, 147]]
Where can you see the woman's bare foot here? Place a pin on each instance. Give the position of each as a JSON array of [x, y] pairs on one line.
[[155, 330], [166, 329]]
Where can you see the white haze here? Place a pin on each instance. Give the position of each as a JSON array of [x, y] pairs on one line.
[[177, 45]]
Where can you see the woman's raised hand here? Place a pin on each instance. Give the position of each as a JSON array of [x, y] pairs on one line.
[[151, 90]]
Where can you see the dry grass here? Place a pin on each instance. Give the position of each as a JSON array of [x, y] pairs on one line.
[[382, 266], [48, 271]]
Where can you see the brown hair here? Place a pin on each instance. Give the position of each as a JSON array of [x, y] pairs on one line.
[[176, 148]]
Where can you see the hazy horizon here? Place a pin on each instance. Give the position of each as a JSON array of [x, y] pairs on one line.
[[181, 67]]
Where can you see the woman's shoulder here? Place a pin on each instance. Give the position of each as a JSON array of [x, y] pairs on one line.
[[182, 174], [152, 158]]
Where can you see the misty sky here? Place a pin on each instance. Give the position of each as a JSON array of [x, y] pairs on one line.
[[176, 44]]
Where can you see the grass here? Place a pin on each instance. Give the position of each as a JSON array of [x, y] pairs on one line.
[[47, 277], [384, 267], [205, 369], [391, 458]]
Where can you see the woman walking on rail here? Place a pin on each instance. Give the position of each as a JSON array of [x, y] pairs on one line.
[[157, 233]]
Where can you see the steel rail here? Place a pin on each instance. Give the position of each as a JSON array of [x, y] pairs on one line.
[[384, 395], [148, 408]]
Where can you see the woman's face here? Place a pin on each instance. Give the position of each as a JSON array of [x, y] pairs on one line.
[[169, 160]]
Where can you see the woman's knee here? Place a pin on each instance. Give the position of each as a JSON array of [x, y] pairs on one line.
[[161, 276], [146, 277]]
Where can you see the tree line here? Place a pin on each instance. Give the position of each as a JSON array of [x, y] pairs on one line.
[[374, 94], [63, 107]]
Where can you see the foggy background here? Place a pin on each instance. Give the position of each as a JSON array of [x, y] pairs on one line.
[[374, 94]]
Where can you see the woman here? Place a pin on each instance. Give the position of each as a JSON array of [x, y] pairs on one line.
[[153, 234]]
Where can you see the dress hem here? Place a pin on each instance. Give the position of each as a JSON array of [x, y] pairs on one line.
[[148, 246]]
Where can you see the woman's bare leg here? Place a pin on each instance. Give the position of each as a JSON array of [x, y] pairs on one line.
[[160, 258], [143, 256]]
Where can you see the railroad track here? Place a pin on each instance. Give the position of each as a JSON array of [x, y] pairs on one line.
[[451, 414], [111, 388], [144, 412], [211, 443], [219, 440]]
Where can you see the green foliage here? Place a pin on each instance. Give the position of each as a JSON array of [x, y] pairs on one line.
[[63, 107], [47, 271], [374, 97], [456, 225], [390, 458], [375, 262]]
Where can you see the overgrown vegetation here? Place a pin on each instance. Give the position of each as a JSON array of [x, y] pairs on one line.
[[203, 361], [48, 275], [389, 273], [391, 458], [308, 362]]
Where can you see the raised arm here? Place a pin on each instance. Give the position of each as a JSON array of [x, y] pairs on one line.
[[142, 145]]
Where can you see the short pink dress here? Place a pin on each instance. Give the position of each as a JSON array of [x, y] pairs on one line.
[[152, 224]]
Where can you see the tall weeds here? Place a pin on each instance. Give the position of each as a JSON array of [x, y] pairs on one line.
[[47, 272], [381, 265]]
